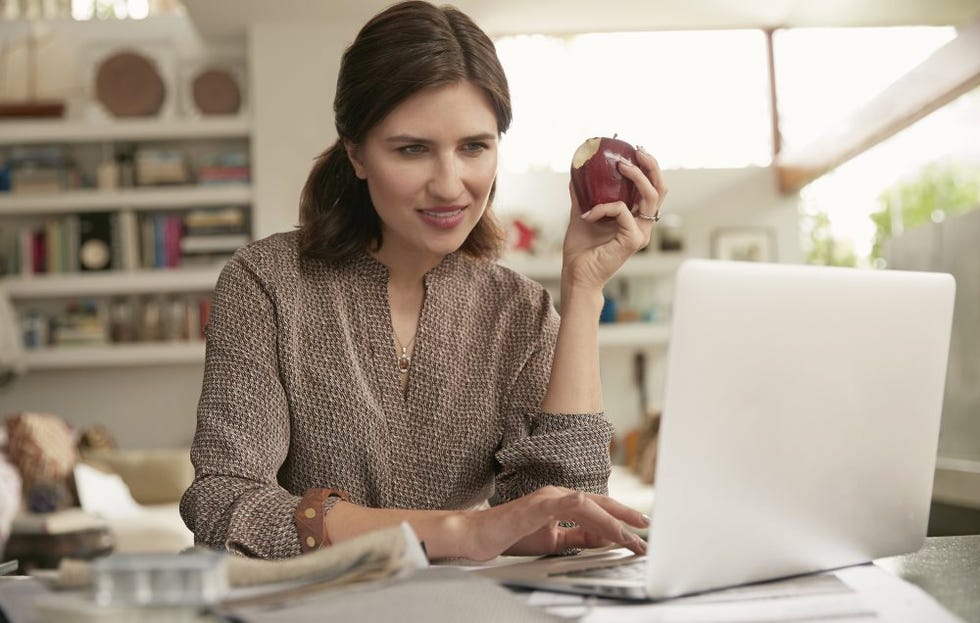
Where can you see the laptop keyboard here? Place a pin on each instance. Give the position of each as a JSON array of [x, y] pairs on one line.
[[631, 571]]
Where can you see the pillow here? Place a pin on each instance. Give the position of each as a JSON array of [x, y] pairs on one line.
[[104, 494], [42, 447], [153, 476]]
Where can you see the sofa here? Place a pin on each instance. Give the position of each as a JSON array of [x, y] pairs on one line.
[[55, 478]]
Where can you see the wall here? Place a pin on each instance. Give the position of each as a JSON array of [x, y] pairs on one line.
[[293, 70]]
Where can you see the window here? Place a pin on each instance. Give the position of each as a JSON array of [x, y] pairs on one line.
[[696, 99], [824, 74]]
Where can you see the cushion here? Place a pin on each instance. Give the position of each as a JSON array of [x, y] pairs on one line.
[[42, 447], [153, 476]]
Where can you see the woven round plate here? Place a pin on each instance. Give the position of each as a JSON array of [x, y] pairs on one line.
[[216, 93], [128, 85]]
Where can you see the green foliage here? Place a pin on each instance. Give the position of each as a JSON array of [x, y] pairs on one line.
[[940, 191], [824, 248]]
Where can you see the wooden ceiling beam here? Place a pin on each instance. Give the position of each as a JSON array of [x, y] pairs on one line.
[[948, 73]]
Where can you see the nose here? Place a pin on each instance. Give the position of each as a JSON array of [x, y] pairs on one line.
[[446, 182]]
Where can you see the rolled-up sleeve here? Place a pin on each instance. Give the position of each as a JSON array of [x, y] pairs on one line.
[[565, 450], [243, 428], [540, 449]]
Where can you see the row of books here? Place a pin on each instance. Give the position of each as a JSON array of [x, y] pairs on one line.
[[126, 240], [38, 169], [43, 170], [135, 319], [156, 167]]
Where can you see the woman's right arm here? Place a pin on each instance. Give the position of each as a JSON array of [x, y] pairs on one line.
[[242, 435]]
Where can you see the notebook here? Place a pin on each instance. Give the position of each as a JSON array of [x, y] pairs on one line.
[[799, 433]]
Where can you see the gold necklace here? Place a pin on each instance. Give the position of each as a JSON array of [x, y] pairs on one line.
[[404, 359]]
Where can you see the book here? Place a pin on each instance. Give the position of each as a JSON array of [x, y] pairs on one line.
[[59, 522]]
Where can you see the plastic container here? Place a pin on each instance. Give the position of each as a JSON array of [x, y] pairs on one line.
[[195, 579]]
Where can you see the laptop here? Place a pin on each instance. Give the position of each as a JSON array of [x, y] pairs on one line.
[[799, 433]]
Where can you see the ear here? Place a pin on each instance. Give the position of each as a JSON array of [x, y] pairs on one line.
[[355, 160]]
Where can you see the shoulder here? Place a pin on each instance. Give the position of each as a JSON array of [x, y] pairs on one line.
[[269, 260], [505, 291]]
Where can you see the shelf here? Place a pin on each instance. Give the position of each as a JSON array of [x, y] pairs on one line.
[[635, 334], [111, 283], [549, 267], [114, 355], [82, 131], [135, 198]]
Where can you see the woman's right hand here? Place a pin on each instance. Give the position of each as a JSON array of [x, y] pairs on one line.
[[530, 525]]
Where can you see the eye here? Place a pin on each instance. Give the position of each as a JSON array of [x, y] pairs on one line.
[[475, 148], [412, 150]]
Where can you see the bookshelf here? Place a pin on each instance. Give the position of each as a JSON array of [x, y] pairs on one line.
[[548, 268], [651, 273], [110, 283], [116, 355], [144, 217], [123, 130], [173, 198]]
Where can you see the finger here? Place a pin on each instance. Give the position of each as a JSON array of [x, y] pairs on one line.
[[620, 511], [651, 167], [578, 507], [634, 233], [613, 211], [649, 201], [578, 537]]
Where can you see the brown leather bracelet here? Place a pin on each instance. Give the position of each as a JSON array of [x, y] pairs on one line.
[[309, 518]]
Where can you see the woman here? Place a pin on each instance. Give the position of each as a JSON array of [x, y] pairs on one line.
[[377, 366]]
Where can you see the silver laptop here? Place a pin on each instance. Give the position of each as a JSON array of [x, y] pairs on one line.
[[800, 430]]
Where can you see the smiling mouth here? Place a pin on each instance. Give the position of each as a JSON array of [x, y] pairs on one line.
[[445, 213]]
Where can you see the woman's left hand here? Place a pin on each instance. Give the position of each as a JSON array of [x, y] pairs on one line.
[[594, 248]]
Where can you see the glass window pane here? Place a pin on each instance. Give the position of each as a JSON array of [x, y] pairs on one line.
[[694, 98], [824, 74]]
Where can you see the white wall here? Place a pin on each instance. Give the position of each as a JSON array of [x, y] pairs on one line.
[[293, 69]]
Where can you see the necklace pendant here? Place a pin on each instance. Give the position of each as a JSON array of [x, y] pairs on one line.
[[404, 361]]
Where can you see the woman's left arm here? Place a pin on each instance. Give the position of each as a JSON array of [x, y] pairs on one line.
[[597, 244]]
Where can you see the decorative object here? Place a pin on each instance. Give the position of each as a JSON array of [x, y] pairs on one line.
[[32, 106], [128, 85], [213, 85], [744, 244], [135, 79], [216, 92]]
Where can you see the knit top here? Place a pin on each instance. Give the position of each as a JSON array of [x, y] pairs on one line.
[[302, 390]]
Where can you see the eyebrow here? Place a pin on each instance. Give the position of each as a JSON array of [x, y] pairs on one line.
[[407, 138]]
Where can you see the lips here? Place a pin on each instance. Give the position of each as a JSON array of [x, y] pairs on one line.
[[442, 217]]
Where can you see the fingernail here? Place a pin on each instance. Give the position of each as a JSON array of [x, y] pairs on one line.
[[640, 148], [625, 161], [646, 520], [586, 214]]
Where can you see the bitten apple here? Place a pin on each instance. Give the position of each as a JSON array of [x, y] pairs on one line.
[[595, 173]]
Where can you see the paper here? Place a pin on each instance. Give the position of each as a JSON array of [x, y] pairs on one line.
[[866, 593]]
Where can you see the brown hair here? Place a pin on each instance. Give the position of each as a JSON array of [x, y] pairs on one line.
[[402, 50]]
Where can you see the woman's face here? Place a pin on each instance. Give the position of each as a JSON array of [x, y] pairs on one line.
[[429, 167]]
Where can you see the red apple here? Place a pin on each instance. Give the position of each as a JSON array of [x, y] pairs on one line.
[[595, 173]]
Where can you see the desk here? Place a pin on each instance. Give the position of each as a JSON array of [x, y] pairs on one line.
[[948, 568]]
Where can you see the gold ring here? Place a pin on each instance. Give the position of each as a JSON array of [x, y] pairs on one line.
[[647, 217]]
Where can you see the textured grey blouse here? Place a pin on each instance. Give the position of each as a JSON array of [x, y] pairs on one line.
[[301, 390]]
